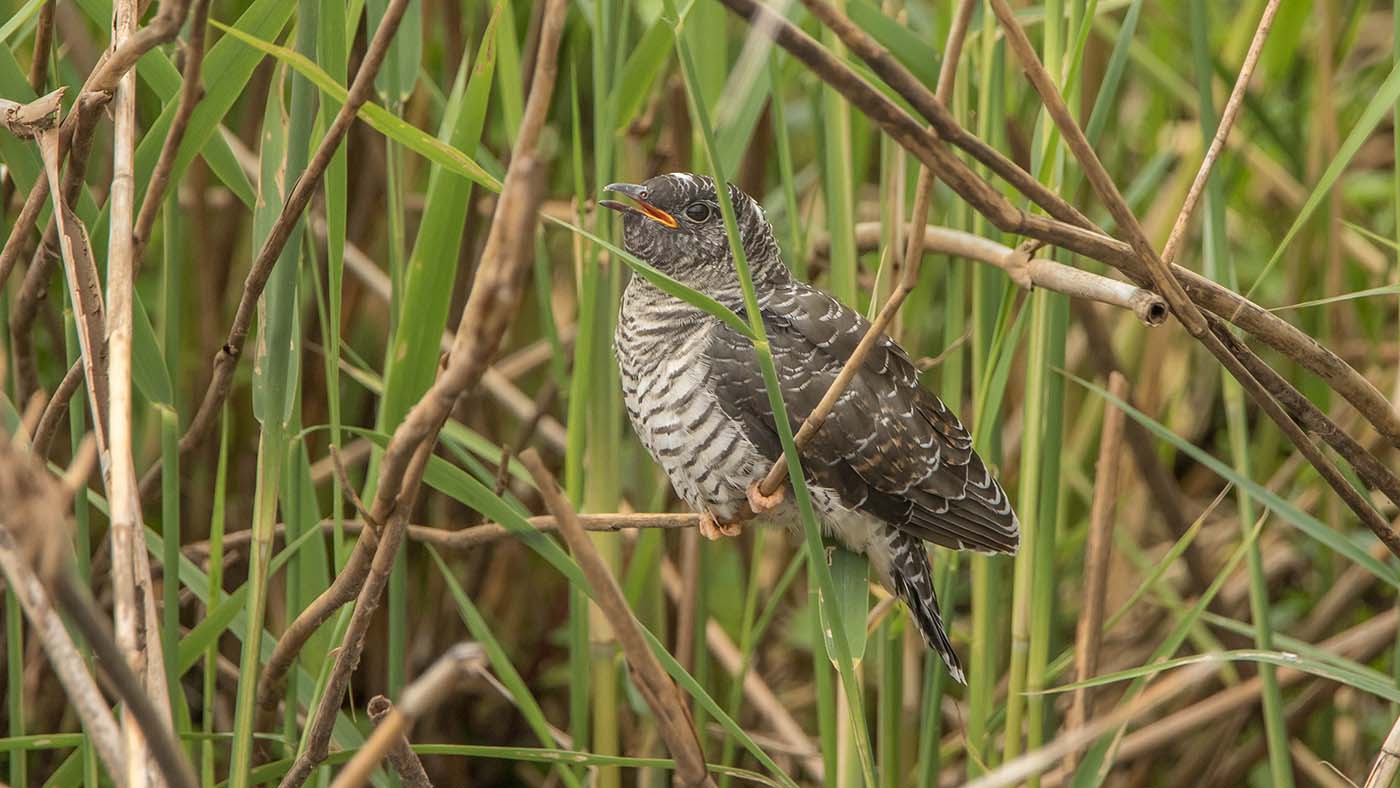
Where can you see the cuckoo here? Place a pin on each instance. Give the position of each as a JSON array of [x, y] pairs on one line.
[[890, 469]]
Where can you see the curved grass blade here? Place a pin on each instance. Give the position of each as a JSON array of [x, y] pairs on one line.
[[1299, 519], [377, 117]]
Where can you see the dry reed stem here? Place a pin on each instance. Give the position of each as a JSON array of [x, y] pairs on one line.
[[36, 545], [461, 539], [1089, 629], [1027, 271], [491, 306], [36, 280], [27, 121], [393, 723], [164, 747], [667, 703], [1321, 773], [99, 726], [43, 42], [400, 755], [1222, 132], [103, 79], [134, 612], [496, 382], [57, 406], [191, 90], [1166, 493], [33, 549]]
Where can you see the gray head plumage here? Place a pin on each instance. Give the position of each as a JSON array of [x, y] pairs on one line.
[[676, 226]]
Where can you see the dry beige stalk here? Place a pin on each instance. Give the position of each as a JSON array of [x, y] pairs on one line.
[[1089, 633], [666, 701], [1027, 271], [121, 472], [1222, 132], [393, 723], [28, 121]]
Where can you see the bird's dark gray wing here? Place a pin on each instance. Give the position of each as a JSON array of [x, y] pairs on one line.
[[889, 448]]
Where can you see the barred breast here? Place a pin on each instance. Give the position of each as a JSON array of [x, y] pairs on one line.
[[661, 345]]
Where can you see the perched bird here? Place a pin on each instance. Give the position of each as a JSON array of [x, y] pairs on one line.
[[891, 468]]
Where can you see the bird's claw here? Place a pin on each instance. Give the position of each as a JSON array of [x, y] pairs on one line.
[[761, 503], [711, 528]]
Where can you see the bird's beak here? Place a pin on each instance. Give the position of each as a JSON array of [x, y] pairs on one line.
[[644, 208]]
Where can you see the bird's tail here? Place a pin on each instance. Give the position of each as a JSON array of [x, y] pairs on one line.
[[913, 582]]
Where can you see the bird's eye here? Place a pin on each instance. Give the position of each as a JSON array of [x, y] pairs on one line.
[[697, 212]]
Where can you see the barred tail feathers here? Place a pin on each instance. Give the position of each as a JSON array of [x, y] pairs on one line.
[[912, 582]]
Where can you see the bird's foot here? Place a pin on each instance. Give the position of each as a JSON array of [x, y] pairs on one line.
[[761, 503], [711, 528]]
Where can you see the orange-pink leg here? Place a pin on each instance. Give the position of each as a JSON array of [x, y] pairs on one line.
[[761, 503], [711, 528]]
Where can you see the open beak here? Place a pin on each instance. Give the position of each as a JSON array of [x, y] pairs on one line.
[[644, 208]]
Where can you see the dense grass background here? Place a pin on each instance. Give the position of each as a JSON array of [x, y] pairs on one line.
[[1241, 550]]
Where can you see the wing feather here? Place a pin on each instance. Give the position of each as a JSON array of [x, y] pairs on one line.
[[890, 447]]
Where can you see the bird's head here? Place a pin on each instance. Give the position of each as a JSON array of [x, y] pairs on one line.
[[676, 226]]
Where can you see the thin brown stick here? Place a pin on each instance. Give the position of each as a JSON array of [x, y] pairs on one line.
[[814, 421], [81, 689], [1222, 132], [497, 381], [103, 79], [34, 554], [1089, 630], [913, 256], [490, 308], [666, 701], [19, 231], [393, 723], [191, 90], [43, 41], [400, 755], [57, 406], [35, 288], [165, 749], [38, 79], [936, 112], [464, 539], [228, 355]]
